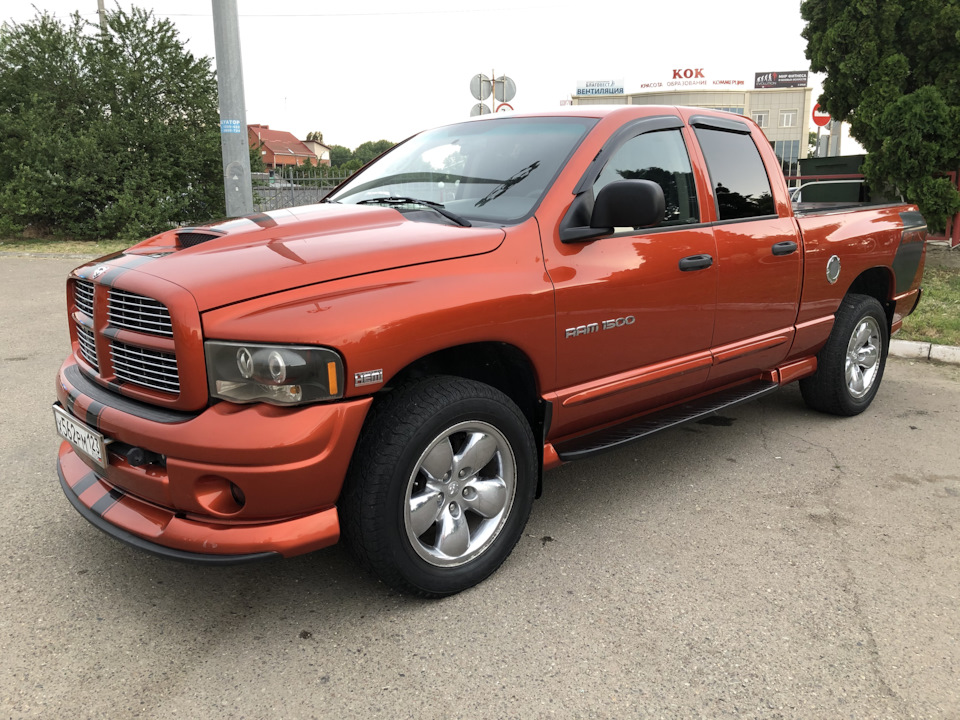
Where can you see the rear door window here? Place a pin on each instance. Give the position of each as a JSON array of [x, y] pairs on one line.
[[740, 183]]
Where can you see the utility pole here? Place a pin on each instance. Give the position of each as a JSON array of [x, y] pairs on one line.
[[103, 16], [233, 113]]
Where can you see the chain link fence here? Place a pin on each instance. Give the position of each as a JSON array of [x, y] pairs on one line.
[[273, 193]]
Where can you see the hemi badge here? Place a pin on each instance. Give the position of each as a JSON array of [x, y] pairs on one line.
[[369, 377]]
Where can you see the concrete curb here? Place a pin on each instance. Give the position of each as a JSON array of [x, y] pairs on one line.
[[913, 350]]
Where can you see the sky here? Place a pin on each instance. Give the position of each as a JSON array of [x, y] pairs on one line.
[[385, 70]]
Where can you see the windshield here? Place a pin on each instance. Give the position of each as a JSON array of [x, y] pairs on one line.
[[495, 171]]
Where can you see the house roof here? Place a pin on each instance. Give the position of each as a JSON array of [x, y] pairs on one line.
[[279, 142], [316, 142]]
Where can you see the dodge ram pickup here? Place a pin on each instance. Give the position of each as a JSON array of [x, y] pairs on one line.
[[400, 363]]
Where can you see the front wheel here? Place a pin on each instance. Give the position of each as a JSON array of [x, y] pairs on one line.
[[441, 485], [850, 366]]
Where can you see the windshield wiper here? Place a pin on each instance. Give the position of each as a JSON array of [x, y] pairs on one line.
[[435, 206]]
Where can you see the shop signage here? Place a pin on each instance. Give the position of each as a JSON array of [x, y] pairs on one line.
[[600, 87], [690, 78], [792, 78]]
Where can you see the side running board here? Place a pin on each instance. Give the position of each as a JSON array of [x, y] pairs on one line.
[[595, 442]]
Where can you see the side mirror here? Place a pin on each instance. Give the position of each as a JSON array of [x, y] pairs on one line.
[[622, 203], [628, 203]]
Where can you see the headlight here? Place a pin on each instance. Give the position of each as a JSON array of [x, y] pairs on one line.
[[277, 374]]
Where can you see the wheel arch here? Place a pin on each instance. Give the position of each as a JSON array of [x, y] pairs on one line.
[[878, 283], [500, 365]]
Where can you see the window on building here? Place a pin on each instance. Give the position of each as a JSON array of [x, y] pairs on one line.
[[660, 157], [788, 118], [789, 153], [740, 183], [762, 118]]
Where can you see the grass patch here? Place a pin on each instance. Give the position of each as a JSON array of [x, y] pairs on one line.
[[937, 317], [63, 247]]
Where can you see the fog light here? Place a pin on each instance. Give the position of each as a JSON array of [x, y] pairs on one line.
[[219, 496]]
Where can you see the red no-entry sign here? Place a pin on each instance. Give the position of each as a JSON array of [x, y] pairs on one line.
[[820, 118]]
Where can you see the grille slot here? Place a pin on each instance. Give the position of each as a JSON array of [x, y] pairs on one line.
[[83, 297], [136, 312], [88, 345], [146, 367], [189, 239]]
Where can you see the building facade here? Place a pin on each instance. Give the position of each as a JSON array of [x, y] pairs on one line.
[[279, 148], [780, 103], [320, 150]]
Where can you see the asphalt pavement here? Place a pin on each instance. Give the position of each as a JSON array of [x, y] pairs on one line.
[[769, 562]]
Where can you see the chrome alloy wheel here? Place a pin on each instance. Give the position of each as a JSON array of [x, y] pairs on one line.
[[460, 494], [863, 357]]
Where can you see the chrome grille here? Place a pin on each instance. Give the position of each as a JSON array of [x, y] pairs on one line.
[[88, 345], [83, 296], [142, 366], [136, 312]]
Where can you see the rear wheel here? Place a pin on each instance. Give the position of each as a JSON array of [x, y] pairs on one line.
[[441, 485], [850, 366]]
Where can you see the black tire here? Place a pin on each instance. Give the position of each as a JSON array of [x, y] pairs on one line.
[[850, 366], [396, 500]]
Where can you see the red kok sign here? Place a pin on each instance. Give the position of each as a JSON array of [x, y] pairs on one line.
[[819, 118]]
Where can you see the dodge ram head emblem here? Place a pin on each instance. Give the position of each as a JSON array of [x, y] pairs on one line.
[[100, 270]]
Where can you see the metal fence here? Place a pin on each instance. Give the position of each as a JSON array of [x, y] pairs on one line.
[[273, 193]]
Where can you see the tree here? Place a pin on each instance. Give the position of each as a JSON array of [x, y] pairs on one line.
[[345, 160], [256, 159], [340, 155], [315, 136], [891, 70], [106, 133], [371, 149]]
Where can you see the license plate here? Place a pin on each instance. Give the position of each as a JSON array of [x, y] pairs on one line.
[[83, 438]]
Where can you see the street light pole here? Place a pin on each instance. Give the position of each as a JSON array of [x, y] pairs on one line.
[[233, 114]]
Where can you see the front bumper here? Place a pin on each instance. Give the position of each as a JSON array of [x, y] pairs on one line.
[[288, 465]]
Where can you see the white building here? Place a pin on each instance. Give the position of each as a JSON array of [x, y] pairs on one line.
[[779, 102]]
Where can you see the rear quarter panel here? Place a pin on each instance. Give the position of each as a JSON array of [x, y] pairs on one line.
[[862, 239]]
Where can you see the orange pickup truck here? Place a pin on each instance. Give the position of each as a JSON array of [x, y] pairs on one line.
[[400, 363]]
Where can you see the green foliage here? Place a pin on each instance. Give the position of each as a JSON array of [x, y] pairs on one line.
[[351, 166], [111, 134], [256, 159], [937, 317], [345, 160], [891, 70], [340, 155], [370, 150], [315, 136]]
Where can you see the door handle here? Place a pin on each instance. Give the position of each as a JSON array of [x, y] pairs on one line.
[[787, 247], [695, 262]]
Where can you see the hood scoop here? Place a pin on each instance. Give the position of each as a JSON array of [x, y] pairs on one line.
[[189, 238]]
